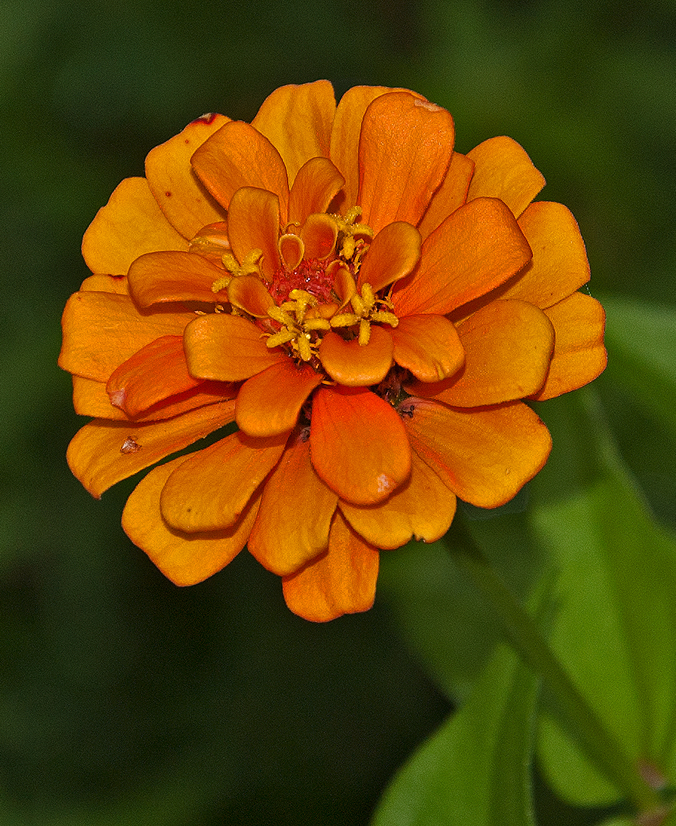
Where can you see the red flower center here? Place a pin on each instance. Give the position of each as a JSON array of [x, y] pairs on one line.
[[310, 275]]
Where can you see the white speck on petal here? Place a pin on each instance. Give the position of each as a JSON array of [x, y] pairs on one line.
[[384, 483]]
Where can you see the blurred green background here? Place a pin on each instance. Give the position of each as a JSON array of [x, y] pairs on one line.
[[124, 700]]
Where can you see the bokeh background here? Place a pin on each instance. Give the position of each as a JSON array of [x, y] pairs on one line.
[[124, 700]]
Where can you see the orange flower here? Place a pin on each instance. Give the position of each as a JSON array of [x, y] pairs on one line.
[[370, 308]]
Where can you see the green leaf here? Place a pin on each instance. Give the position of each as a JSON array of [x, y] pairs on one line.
[[615, 627], [641, 342], [476, 767]]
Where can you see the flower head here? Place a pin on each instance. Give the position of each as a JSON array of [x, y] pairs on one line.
[[368, 306]]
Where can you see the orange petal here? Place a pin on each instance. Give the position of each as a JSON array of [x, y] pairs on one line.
[[293, 522], [249, 294], [450, 196], [340, 581], [253, 223], [358, 444], [317, 184], [404, 151], [184, 558], [393, 254], [319, 234], [579, 354], [103, 330], [508, 348], [238, 155], [291, 251], [346, 131], [356, 365], [559, 266], [226, 348], [422, 509], [428, 346], [504, 170], [153, 374], [102, 453], [182, 198], [91, 399], [211, 489], [105, 284], [129, 225], [270, 402], [160, 277], [297, 121], [476, 249], [484, 455]]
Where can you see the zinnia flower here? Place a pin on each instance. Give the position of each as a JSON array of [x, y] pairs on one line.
[[368, 306]]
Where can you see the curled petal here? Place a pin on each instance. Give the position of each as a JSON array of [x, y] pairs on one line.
[[353, 364], [103, 452], [249, 294], [291, 251], [508, 348], [226, 348], [484, 455], [450, 196], [340, 581], [579, 354], [291, 530], [180, 195], [297, 121], [270, 402], [211, 489], [184, 558], [393, 254], [358, 444], [129, 225], [404, 151], [428, 346], [238, 155], [319, 235], [422, 508], [474, 250], [103, 330], [253, 223], [317, 184], [153, 374], [160, 277], [503, 170]]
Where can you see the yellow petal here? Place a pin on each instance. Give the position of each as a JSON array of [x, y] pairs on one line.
[[102, 330], [129, 225], [270, 402], [238, 155], [404, 151], [483, 455], [340, 581], [508, 348], [183, 558], [297, 121], [355, 365], [103, 452], [504, 170], [428, 346], [181, 197], [292, 528], [226, 348], [358, 444], [211, 489], [392, 255], [477, 248], [422, 509], [160, 277], [579, 354]]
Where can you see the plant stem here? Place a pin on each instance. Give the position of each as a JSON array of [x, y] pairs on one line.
[[522, 632]]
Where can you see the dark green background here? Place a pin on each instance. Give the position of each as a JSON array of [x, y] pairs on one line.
[[124, 700]]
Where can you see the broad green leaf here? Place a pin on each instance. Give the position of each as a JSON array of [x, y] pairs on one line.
[[476, 768], [641, 340], [615, 627]]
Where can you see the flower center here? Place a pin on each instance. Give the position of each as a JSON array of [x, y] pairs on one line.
[[310, 276]]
